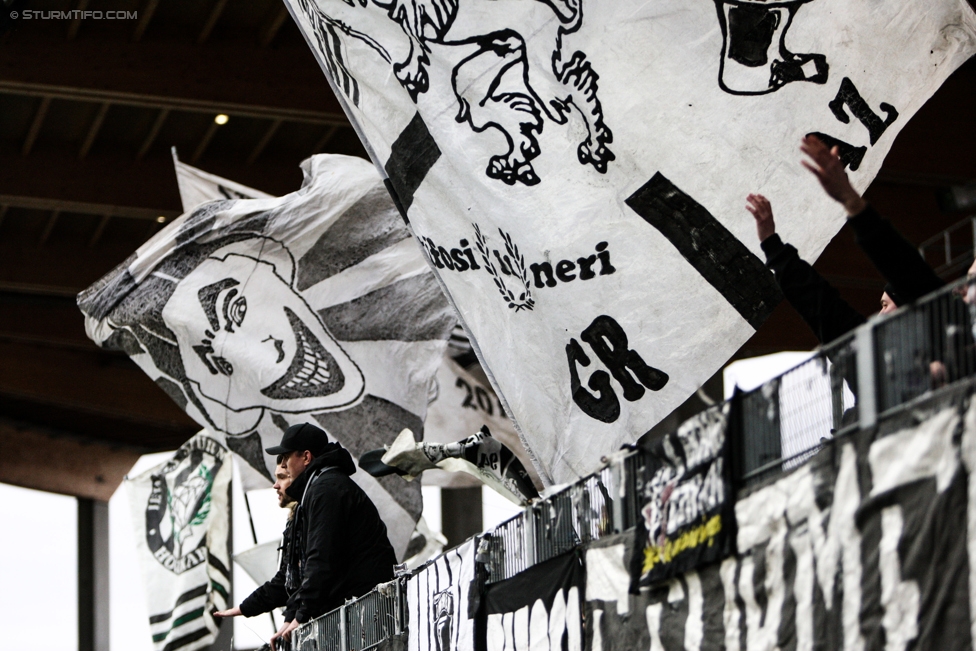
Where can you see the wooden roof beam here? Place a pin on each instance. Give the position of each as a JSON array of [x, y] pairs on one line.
[[145, 16], [271, 30], [265, 139], [48, 228], [97, 235], [36, 123], [205, 141], [96, 124], [173, 103], [212, 19], [84, 208], [153, 132], [76, 23]]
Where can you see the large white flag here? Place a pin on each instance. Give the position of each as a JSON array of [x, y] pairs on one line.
[[577, 171], [461, 404], [254, 315], [181, 513]]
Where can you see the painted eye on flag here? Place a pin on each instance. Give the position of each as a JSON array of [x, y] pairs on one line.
[[223, 366], [235, 308]]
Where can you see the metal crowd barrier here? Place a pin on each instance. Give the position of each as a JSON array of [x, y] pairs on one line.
[[884, 366], [359, 625]]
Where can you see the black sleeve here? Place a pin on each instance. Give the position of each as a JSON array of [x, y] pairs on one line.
[[897, 260], [326, 509], [820, 305], [271, 594]]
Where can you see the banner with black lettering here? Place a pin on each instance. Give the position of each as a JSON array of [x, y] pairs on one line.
[[257, 314], [538, 609], [868, 544], [438, 617], [687, 502], [181, 517], [577, 171]]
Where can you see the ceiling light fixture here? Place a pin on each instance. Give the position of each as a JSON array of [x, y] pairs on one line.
[[221, 118]]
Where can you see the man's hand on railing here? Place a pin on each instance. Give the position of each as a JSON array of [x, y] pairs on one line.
[[230, 612], [826, 165], [284, 633]]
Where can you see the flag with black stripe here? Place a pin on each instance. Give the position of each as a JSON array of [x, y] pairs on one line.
[[181, 513], [577, 173], [257, 314]]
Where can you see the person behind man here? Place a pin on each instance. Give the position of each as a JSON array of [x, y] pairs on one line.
[[273, 593], [828, 315], [339, 547]]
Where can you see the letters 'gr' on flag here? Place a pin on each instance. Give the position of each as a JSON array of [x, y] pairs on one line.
[[254, 315], [577, 170], [181, 512]]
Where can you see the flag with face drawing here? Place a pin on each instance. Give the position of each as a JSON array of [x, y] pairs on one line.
[[254, 315], [181, 513], [460, 402], [577, 172]]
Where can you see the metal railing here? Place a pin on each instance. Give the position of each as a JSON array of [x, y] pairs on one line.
[[787, 419], [885, 365], [951, 250], [358, 625]]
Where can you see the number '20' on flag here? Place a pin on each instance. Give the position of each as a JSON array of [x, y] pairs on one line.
[[257, 314], [181, 513], [576, 171]]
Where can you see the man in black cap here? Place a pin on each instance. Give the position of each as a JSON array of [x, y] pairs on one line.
[[339, 548]]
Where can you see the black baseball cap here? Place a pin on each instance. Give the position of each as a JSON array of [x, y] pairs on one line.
[[304, 436]]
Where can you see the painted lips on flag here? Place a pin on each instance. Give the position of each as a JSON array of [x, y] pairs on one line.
[[254, 315], [576, 170]]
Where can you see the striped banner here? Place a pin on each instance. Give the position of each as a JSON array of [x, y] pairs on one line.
[[181, 512]]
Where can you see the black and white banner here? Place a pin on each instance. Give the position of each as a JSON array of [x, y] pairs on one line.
[[536, 610], [687, 501], [576, 171], [868, 545], [257, 314], [181, 513], [437, 603]]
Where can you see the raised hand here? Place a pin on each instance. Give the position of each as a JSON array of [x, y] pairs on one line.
[[759, 206], [826, 165]]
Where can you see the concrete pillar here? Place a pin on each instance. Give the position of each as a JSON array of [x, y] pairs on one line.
[[461, 515], [93, 597]]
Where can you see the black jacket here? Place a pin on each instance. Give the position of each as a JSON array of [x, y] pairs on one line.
[[339, 547], [820, 305], [897, 260], [273, 593]]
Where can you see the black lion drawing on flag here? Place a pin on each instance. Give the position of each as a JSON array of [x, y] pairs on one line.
[[501, 79]]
